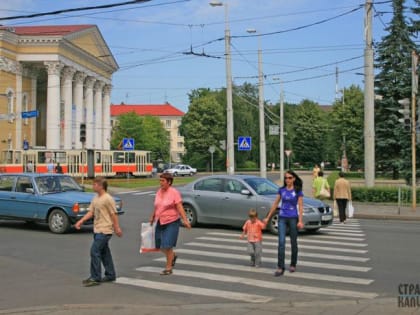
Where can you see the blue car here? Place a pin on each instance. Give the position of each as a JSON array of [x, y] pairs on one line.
[[55, 199]]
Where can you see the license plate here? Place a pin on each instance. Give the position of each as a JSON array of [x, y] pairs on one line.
[[326, 217]]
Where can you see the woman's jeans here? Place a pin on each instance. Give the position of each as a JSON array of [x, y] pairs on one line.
[[100, 253], [293, 233]]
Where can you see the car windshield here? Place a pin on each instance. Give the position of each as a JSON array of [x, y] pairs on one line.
[[56, 184], [262, 186]]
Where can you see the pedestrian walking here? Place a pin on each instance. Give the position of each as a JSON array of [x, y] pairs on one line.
[[320, 187], [252, 229], [30, 167], [167, 213], [58, 168], [290, 213], [342, 194], [105, 222]]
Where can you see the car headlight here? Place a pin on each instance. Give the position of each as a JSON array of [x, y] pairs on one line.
[[118, 205], [309, 210]]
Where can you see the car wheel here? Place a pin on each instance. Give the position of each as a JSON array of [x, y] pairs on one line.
[[191, 174], [191, 214], [58, 222], [175, 174], [273, 224]]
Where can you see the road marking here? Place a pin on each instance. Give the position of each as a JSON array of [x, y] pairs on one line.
[[335, 249], [322, 265], [301, 239], [126, 192], [144, 193], [356, 239], [355, 231], [264, 284], [184, 289], [272, 251], [300, 274], [342, 233]]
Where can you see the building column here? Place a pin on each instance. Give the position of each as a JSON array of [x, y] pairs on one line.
[[98, 114], [18, 110], [79, 79], [106, 117], [67, 97], [53, 104], [33, 106], [89, 82]]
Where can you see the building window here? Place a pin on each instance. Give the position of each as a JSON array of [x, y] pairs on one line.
[[180, 145], [168, 124], [179, 121], [9, 96]]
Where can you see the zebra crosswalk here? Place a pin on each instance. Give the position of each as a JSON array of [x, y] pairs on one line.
[[333, 262]]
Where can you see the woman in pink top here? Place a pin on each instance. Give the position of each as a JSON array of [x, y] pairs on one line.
[[167, 212]]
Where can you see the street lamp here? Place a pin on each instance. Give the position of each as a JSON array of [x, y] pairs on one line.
[[263, 159], [230, 156]]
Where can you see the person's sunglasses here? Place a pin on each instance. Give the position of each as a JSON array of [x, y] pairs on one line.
[[288, 177]]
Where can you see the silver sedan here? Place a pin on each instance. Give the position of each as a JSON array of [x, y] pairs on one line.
[[226, 200]]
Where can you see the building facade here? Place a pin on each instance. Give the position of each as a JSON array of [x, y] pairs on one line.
[[52, 79], [170, 117]]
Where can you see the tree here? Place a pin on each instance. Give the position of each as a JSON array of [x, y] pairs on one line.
[[393, 83], [147, 131], [347, 119], [203, 126], [310, 132]]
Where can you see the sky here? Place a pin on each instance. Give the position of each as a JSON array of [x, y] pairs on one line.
[[167, 48]]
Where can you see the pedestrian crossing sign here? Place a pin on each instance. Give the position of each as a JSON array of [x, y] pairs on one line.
[[128, 144], [244, 143]]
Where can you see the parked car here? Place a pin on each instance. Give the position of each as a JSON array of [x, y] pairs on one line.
[[55, 199], [181, 170], [226, 199]]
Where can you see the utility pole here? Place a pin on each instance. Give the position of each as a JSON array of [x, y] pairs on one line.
[[281, 131], [369, 121], [414, 90]]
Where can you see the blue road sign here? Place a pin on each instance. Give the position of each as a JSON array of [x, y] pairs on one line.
[[30, 114], [128, 144], [244, 143]]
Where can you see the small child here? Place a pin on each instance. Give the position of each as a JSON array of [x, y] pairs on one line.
[[253, 230]]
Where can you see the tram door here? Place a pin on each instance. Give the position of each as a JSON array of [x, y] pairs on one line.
[[90, 163], [29, 157], [74, 162], [106, 163], [140, 163]]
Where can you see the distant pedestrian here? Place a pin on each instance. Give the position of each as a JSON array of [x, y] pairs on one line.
[[320, 187], [105, 222], [315, 171], [30, 167], [342, 194], [290, 213], [50, 166], [252, 229], [58, 168]]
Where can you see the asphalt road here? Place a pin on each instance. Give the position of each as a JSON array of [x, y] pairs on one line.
[[364, 259]]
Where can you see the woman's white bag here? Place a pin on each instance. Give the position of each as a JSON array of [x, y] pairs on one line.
[[351, 209], [148, 238]]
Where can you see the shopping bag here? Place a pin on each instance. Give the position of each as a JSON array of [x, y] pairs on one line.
[[335, 209], [323, 192], [148, 238], [351, 209]]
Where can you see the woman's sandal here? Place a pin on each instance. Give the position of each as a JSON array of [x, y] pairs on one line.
[[174, 260], [166, 272], [279, 273]]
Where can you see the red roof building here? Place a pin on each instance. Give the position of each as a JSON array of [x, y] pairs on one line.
[[169, 115]]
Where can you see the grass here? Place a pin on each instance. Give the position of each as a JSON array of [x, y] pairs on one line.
[[134, 182]]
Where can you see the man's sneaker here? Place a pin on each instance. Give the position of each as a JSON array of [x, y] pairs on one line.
[[90, 282], [107, 279]]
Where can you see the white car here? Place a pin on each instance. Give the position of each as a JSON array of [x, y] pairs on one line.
[[181, 170]]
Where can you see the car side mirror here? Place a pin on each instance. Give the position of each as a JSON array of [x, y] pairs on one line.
[[246, 192]]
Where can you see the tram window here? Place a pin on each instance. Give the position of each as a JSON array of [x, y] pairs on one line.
[[98, 157], [130, 157], [41, 157], [18, 157], [118, 157]]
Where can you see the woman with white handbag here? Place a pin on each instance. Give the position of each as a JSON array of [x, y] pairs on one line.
[[342, 195]]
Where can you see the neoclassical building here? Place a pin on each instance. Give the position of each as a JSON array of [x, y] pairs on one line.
[[52, 78]]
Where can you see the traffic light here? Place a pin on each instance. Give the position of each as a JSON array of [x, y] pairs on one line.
[[406, 120], [83, 132]]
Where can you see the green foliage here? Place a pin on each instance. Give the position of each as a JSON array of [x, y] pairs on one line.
[[381, 194], [393, 83], [147, 132]]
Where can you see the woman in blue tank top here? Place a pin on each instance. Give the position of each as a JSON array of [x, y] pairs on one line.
[[290, 213]]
